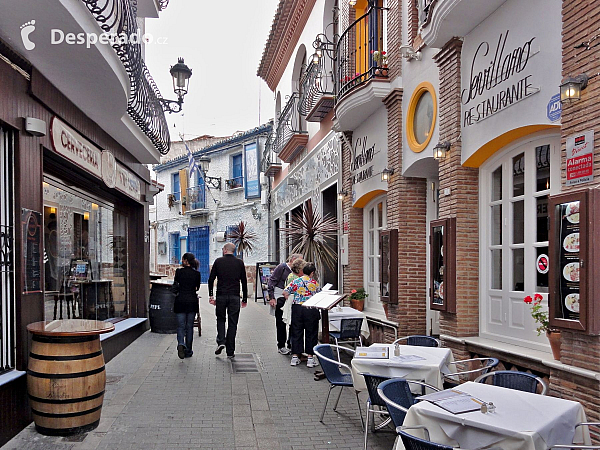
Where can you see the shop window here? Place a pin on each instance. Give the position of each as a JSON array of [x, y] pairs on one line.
[[515, 186], [442, 291], [375, 221], [176, 186], [174, 249]]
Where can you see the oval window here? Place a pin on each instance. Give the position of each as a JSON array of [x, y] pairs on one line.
[[422, 111]]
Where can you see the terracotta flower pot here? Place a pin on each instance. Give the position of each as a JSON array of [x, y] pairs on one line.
[[357, 304], [554, 338]]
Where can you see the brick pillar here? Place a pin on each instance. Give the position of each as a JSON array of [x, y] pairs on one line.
[[462, 202], [394, 38], [407, 212], [353, 219], [413, 23]]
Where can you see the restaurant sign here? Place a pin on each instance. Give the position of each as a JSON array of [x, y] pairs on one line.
[[128, 183], [69, 143], [580, 158]]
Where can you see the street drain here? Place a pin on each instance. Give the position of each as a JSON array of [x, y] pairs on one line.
[[244, 363]]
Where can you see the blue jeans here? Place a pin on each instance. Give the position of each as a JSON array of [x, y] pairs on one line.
[[185, 331]]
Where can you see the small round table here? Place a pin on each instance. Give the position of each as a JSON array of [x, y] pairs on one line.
[[66, 376]]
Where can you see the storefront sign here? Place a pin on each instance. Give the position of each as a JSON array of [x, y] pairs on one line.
[[554, 108], [31, 224], [580, 158], [70, 144], [109, 169], [252, 174], [128, 183]]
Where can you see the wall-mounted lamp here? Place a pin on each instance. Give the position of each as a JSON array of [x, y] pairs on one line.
[[571, 87], [440, 150], [181, 74], [342, 195], [408, 52], [385, 174], [215, 182], [255, 213]]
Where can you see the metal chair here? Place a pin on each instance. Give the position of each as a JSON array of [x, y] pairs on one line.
[[420, 341], [577, 446], [397, 396], [349, 332], [520, 381], [452, 380], [414, 443], [372, 382], [331, 369]]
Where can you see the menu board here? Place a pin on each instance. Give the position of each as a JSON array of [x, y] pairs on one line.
[[569, 259], [31, 223], [263, 273], [437, 243]]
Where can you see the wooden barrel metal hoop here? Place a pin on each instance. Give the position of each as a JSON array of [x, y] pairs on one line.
[[66, 379]]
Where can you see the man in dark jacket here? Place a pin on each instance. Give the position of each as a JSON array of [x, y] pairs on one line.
[[230, 272], [275, 288]]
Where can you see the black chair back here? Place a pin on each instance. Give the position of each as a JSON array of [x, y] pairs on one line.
[[414, 443], [350, 328], [332, 371], [373, 382], [520, 381], [398, 391], [422, 341]]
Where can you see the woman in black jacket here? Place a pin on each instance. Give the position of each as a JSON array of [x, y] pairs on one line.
[[186, 303]]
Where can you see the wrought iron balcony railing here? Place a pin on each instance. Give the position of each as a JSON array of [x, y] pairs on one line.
[[234, 183], [357, 60], [290, 138], [316, 95], [269, 164], [119, 17], [196, 198], [425, 9]]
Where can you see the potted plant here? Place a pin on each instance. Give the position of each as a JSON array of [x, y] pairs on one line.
[[540, 315], [380, 57], [357, 298], [243, 238]]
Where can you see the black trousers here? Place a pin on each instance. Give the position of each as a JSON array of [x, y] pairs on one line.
[[227, 308], [280, 325], [305, 329]]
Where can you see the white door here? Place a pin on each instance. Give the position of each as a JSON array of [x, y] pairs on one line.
[[375, 220]]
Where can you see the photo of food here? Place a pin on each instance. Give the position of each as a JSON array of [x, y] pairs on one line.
[[441, 290], [571, 272], [571, 243], [572, 212], [572, 302]]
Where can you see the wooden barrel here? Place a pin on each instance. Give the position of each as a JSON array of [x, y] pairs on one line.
[[65, 382], [162, 318]]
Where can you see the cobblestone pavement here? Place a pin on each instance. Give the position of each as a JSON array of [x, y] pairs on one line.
[[154, 400]]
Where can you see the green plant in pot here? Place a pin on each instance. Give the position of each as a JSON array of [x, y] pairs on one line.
[[357, 298]]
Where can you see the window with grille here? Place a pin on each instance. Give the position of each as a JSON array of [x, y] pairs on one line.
[[7, 276]]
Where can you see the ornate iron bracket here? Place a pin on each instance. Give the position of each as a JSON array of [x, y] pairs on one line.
[[171, 106]]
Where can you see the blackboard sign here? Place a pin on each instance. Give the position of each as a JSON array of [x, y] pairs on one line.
[[31, 224], [263, 272], [569, 260]]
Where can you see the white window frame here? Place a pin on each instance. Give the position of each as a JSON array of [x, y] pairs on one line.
[[512, 301], [373, 304]]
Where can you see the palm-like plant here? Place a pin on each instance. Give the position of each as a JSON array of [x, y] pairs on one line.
[[243, 238], [313, 236]]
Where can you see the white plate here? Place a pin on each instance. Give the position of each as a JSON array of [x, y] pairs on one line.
[[571, 243], [572, 302], [572, 212], [571, 272]]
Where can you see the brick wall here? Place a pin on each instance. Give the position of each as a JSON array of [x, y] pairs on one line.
[[462, 202], [406, 212], [394, 38]]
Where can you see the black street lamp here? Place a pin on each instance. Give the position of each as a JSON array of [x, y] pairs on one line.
[[215, 182], [181, 74]]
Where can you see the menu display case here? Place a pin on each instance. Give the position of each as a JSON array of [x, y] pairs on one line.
[[442, 239], [574, 260], [388, 266]]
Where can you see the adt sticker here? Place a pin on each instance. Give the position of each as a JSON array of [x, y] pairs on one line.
[[554, 108]]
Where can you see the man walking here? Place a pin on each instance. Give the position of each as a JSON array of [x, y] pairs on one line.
[[229, 271], [276, 300]]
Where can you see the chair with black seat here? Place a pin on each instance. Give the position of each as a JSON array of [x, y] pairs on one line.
[[577, 445], [520, 381], [374, 400], [331, 369], [398, 397], [419, 341], [349, 332], [452, 380], [414, 443]]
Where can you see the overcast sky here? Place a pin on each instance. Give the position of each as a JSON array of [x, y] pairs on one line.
[[222, 42]]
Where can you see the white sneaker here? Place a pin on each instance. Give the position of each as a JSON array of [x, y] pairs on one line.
[[311, 362], [295, 361], [284, 351]]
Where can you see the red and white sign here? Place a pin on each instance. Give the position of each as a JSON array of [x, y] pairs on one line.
[[542, 264], [580, 158], [70, 144]]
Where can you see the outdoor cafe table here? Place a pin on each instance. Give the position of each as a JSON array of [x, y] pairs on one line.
[[429, 369], [521, 421], [345, 312]]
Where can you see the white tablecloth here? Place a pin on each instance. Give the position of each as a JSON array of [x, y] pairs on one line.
[[345, 312], [522, 421], [429, 369]]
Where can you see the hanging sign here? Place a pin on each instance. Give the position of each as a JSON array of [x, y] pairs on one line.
[[109, 169], [580, 158], [69, 143], [252, 173], [128, 183]]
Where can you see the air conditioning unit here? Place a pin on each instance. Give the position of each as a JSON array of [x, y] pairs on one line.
[[221, 236]]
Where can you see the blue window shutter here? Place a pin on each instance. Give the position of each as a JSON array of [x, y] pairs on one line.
[[237, 166], [176, 187], [175, 251]]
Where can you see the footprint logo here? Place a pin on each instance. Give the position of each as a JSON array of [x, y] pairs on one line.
[[26, 29]]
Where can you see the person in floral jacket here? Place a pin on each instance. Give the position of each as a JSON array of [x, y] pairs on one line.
[[305, 321]]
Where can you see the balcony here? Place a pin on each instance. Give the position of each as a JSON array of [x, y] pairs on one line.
[[234, 183], [441, 20], [316, 95], [290, 139], [269, 164], [196, 200]]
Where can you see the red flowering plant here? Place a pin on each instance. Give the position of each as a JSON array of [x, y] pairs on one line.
[[539, 314], [379, 57], [358, 294]]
